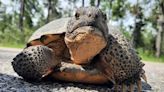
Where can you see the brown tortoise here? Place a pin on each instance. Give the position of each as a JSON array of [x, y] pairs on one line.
[[80, 50]]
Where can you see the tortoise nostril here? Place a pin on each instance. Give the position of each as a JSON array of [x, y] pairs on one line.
[[89, 15], [77, 15]]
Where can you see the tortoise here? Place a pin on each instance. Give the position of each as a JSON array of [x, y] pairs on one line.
[[80, 49]]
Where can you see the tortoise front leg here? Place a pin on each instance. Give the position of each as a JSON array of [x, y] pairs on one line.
[[35, 62], [76, 73]]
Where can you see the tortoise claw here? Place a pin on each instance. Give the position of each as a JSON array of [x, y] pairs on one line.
[[139, 85], [47, 73], [144, 77], [62, 68], [123, 88], [110, 78], [116, 88], [131, 87]]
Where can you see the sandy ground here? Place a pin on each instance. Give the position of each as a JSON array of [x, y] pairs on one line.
[[11, 82]]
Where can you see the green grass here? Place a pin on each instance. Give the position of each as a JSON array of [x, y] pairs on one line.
[[12, 45], [147, 56]]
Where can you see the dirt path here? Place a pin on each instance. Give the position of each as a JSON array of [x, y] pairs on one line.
[[155, 75], [10, 81]]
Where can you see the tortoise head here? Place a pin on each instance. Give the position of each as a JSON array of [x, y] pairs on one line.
[[34, 62], [88, 16], [86, 34]]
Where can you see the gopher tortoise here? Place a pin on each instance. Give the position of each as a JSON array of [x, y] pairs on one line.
[[81, 49]]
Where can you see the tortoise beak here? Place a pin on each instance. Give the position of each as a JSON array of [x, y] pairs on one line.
[[81, 32]]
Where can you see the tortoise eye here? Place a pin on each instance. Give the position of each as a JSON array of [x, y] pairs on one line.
[[77, 15]]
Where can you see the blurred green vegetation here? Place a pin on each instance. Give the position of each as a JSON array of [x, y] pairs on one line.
[[147, 55], [141, 21], [13, 38]]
